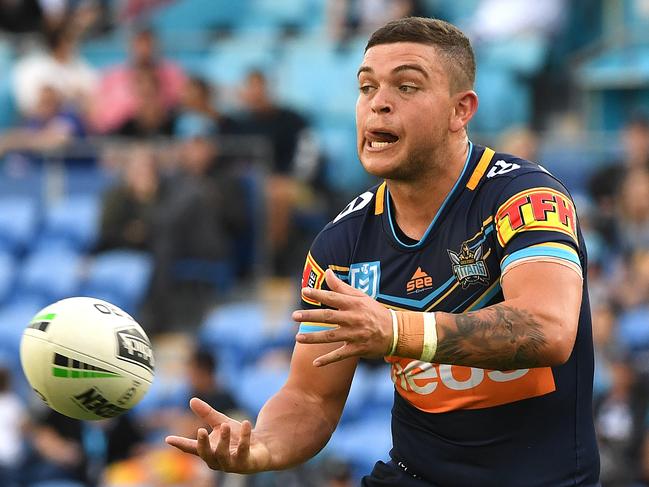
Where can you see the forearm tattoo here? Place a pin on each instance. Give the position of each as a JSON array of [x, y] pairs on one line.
[[499, 337]]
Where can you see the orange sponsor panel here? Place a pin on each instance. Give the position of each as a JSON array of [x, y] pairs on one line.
[[312, 276], [439, 388]]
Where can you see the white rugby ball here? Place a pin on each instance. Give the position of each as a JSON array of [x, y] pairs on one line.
[[86, 358]]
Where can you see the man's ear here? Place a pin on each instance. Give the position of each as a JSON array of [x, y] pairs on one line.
[[466, 104]]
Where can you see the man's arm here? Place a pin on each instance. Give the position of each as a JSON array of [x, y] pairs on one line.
[[534, 326], [292, 426]]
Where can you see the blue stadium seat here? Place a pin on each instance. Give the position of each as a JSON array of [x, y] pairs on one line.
[[192, 15], [296, 13], [49, 275], [18, 220], [235, 331], [13, 320], [71, 223], [380, 389], [229, 60], [119, 276], [363, 442], [7, 275], [256, 385], [357, 398]]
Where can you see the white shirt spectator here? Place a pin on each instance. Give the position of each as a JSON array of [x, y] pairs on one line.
[[74, 79], [11, 422]]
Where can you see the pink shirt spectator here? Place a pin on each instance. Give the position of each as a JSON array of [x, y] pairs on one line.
[[116, 100]]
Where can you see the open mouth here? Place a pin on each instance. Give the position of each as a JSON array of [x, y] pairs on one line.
[[380, 139]]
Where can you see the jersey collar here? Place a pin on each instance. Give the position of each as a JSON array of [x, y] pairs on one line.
[[457, 188]]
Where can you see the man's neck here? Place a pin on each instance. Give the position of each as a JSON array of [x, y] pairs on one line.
[[417, 202]]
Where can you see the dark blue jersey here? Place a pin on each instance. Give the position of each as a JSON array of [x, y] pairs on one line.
[[464, 426]]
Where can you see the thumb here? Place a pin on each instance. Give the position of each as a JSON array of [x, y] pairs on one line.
[[337, 285]]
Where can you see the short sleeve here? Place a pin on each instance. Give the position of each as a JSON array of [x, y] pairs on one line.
[[535, 220]]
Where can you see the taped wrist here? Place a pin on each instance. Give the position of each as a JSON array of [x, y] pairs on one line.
[[416, 335]]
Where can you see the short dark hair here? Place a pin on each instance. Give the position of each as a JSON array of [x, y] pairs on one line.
[[451, 43], [204, 360]]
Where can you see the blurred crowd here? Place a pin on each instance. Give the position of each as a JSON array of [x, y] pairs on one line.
[[217, 221]]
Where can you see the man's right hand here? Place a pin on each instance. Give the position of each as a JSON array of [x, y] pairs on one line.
[[230, 447]]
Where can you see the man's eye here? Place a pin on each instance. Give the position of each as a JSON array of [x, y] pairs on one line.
[[365, 89], [407, 89]]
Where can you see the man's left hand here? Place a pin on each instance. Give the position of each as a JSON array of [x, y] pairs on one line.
[[364, 325]]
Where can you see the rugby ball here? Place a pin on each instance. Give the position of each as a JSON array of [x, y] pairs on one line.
[[86, 358]]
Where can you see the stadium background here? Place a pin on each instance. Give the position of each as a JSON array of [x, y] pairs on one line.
[[92, 204]]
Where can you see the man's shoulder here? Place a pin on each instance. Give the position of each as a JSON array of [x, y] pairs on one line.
[[356, 209], [510, 171]]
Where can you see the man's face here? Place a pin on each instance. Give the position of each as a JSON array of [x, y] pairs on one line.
[[403, 109]]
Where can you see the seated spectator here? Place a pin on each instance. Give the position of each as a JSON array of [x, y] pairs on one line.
[[204, 385], [151, 118], [129, 208], [59, 67], [51, 126], [55, 449], [199, 220], [294, 164], [198, 101], [115, 101]]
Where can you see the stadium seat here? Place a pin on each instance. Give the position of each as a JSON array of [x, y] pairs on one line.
[[49, 275], [193, 15], [18, 220], [363, 442], [119, 276], [295, 13], [256, 385], [7, 275], [235, 331], [71, 223], [13, 320]]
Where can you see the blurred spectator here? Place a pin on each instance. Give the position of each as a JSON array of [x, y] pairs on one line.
[[293, 168], [203, 383], [55, 449], [152, 117], [12, 422], [348, 18], [497, 20], [21, 16], [605, 183], [129, 208], [615, 426], [59, 67], [200, 218], [115, 100], [632, 218], [198, 102], [520, 141], [50, 126]]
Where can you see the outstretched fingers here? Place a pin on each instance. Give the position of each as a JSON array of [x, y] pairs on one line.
[[207, 413], [186, 445]]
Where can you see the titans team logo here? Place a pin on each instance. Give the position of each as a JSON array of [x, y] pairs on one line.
[[366, 276], [469, 266]]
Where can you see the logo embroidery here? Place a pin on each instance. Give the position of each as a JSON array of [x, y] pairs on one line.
[[469, 266], [420, 281], [366, 276], [502, 167]]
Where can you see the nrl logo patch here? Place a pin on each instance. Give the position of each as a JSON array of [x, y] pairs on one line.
[[366, 277], [133, 347], [469, 266]]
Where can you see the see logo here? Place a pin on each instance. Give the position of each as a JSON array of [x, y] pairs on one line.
[[420, 281]]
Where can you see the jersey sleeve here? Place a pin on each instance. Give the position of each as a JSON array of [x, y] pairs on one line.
[[535, 220], [320, 257]]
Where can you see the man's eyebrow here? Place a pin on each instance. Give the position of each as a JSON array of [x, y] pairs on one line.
[[414, 67], [364, 69], [398, 69]]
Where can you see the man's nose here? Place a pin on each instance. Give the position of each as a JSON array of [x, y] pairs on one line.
[[381, 102]]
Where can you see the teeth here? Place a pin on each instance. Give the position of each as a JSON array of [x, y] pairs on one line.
[[379, 145]]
